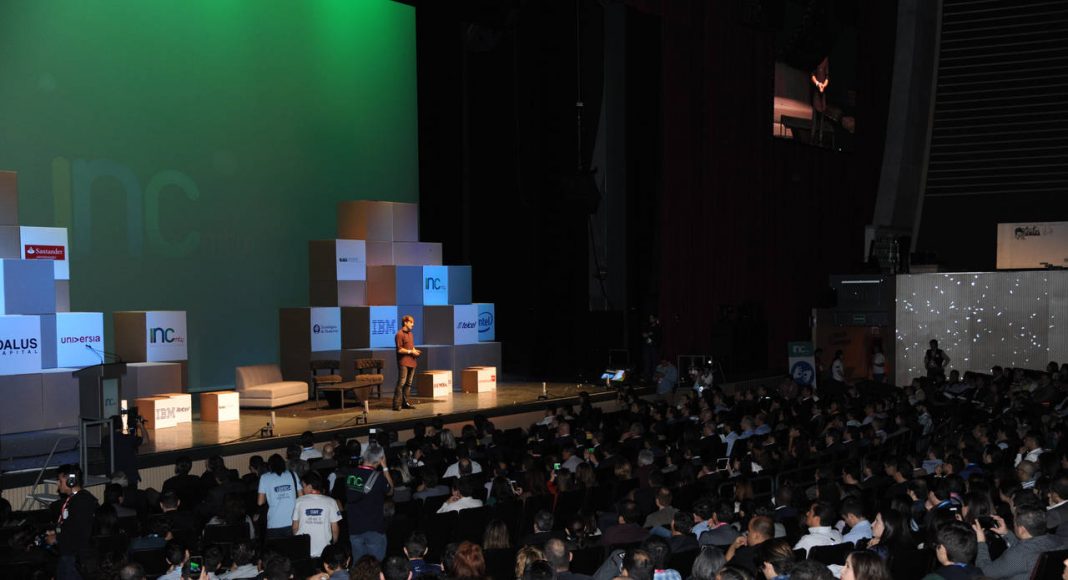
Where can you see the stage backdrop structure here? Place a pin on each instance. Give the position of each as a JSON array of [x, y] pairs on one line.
[[43, 345], [364, 282]]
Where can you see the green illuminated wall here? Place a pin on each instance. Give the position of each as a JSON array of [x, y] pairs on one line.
[[193, 147]]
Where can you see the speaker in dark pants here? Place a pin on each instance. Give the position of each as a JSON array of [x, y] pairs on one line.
[[406, 363]]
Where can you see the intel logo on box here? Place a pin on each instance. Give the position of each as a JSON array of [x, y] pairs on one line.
[[487, 327]]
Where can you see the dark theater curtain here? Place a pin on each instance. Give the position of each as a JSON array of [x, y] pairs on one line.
[[747, 220]]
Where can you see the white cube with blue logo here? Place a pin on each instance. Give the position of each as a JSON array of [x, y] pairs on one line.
[[337, 260], [72, 339], [452, 324], [435, 285], [369, 327], [325, 329], [20, 345], [151, 336], [487, 327]]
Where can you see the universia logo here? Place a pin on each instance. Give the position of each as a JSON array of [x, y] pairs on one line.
[[80, 339]]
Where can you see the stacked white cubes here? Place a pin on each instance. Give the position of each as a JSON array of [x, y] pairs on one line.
[[375, 273], [41, 342]]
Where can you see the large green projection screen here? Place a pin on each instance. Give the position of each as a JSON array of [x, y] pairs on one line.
[[193, 148]]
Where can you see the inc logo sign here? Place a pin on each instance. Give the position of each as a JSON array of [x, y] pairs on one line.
[[164, 335]]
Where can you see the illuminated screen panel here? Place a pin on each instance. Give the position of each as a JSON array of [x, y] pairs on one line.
[[1012, 319]]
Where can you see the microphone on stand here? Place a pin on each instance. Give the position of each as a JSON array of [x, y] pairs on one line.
[[102, 353], [98, 353]]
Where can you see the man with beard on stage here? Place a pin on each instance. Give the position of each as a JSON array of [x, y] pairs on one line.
[[406, 363]]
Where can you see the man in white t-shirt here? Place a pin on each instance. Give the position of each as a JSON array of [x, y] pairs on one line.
[[316, 514]]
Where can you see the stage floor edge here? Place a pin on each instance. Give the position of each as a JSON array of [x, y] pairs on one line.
[[200, 439]]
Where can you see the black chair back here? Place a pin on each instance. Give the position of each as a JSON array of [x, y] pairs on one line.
[[472, 525], [153, 561], [683, 562], [911, 563], [294, 547], [1050, 565], [829, 555], [500, 563], [588, 560], [225, 534]]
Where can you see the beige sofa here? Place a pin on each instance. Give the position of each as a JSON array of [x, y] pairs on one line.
[[262, 387]]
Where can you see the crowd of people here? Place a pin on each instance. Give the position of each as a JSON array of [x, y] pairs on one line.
[[957, 477]]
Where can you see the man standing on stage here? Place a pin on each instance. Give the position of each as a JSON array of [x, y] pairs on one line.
[[406, 363]]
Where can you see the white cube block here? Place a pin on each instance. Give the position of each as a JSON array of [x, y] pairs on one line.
[[27, 287], [20, 345], [72, 339], [487, 326], [37, 243], [479, 379], [337, 260], [220, 406], [436, 285], [325, 329], [434, 383], [159, 412], [183, 406], [368, 327], [151, 336]]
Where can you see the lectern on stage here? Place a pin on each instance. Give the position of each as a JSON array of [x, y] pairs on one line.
[[100, 391]]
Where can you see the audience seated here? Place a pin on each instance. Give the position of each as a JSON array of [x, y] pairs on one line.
[[928, 480]]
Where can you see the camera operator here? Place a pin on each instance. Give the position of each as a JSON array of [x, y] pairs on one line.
[[74, 525]]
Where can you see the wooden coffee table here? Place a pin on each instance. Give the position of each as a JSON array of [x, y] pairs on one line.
[[343, 388]]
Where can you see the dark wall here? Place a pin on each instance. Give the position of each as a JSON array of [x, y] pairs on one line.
[[749, 221], [719, 213], [498, 153]]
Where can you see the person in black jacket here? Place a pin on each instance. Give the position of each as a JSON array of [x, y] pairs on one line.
[[74, 525]]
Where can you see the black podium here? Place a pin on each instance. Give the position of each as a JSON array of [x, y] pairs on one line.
[[100, 392]]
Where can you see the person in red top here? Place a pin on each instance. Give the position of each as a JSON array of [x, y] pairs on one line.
[[406, 362]]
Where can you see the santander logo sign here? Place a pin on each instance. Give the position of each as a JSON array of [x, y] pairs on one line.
[[42, 252]]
